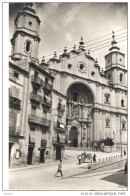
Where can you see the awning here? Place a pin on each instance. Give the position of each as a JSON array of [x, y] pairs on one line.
[[62, 137]]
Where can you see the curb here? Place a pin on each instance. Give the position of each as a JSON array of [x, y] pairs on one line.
[[36, 166], [91, 174]]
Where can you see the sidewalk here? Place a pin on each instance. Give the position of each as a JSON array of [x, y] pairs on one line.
[[70, 156], [37, 166]]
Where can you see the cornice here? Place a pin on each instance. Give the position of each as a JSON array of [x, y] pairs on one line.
[[22, 32], [31, 63], [88, 80], [11, 64], [26, 13]]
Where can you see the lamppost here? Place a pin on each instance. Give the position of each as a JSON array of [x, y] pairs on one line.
[[122, 130], [81, 135]]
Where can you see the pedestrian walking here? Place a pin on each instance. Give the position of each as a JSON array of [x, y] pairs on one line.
[[94, 158], [79, 157], [59, 170]]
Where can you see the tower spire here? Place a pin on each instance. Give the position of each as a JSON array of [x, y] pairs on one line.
[[114, 43], [81, 44]]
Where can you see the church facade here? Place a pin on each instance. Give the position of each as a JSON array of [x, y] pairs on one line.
[[65, 102]]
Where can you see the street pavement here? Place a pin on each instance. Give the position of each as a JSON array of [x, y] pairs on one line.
[[75, 178]]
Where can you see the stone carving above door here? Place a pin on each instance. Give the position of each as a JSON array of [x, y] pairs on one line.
[[75, 111]]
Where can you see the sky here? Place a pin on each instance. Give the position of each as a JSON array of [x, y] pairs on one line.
[[63, 24]]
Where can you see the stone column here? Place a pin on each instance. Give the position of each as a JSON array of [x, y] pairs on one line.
[[89, 133]]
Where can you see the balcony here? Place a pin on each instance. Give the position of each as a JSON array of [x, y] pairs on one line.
[[61, 108], [59, 126], [12, 77], [47, 101], [14, 131], [38, 120], [14, 103], [59, 140], [36, 97], [38, 81], [47, 86]]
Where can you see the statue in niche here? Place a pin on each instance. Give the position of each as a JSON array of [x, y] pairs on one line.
[[84, 135], [89, 112], [75, 111]]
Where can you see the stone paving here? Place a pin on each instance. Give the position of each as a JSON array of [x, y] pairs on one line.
[[71, 156], [41, 177]]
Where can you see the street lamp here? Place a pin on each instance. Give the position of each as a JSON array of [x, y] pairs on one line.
[[121, 138]]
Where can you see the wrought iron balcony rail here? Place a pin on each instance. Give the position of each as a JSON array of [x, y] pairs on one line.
[[35, 97], [12, 77], [14, 130], [57, 140], [47, 86], [61, 108], [14, 103], [47, 100], [57, 126], [37, 80], [38, 120]]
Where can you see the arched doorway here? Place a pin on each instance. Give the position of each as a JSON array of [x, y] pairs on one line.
[[80, 100], [73, 137]]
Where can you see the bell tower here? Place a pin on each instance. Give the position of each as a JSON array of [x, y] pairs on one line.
[[115, 65], [26, 39]]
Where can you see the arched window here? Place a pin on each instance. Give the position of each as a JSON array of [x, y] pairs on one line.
[[107, 123], [107, 98], [75, 97], [122, 103], [109, 77], [123, 125], [28, 46], [121, 78]]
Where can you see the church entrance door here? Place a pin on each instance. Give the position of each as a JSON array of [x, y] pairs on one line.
[[73, 137]]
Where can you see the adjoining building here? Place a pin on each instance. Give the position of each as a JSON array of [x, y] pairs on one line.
[[65, 102], [30, 94]]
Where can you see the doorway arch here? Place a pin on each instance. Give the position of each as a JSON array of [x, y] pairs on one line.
[[73, 137]]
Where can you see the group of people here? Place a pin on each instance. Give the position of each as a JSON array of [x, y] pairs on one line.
[[80, 158], [59, 169]]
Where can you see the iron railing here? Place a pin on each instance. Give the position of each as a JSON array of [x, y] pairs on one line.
[[35, 97], [37, 80], [38, 120]]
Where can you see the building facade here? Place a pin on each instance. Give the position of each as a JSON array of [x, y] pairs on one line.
[[65, 102]]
